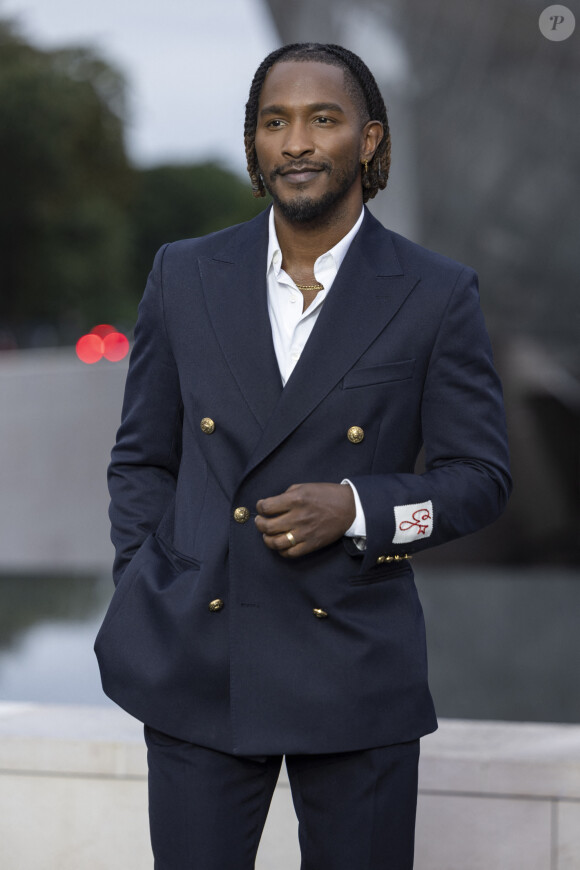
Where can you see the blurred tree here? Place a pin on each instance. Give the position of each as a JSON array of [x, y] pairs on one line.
[[65, 183], [78, 224], [175, 202]]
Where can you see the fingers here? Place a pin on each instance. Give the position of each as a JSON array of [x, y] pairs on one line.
[[286, 544], [283, 541], [277, 504], [281, 532], [315, 514], [301, 548], [277, 535], [277, 525], [276, 516], [275, 530]]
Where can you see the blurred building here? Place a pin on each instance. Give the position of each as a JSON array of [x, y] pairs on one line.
[[486, 169], [486, 128]]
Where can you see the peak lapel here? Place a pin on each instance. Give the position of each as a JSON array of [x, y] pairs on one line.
[[368, 290], [234, 285]]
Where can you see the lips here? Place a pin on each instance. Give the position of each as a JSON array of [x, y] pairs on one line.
[[301, 177], [300, 174]]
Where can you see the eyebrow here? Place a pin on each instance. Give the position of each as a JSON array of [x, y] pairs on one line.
[[314, 107]]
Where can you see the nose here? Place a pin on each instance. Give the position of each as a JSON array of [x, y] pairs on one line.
[[298, 141]]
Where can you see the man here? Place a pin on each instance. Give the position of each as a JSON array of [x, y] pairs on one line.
[[265, 505]]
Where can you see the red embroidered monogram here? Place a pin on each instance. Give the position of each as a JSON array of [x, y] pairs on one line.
[[418, 520], [413, 521]]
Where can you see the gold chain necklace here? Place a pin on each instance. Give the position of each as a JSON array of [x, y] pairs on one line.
[[317, 286]]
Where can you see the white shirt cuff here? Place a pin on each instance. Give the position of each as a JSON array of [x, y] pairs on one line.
[[359, 527]]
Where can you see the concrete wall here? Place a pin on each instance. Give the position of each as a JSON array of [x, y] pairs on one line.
[[492, 795], [58, 419]]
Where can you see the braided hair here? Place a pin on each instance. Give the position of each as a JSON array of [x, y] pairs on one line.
[[360, 85]]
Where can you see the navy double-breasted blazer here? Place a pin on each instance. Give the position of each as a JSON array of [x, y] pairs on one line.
[[400, 351]]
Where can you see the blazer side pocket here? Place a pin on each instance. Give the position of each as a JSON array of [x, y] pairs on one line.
[[381, 574], [366, 377], [179, 560]]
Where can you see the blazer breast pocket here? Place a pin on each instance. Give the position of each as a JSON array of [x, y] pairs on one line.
[[383, 374]]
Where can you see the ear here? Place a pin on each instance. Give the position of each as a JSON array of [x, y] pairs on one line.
[[371, 136]]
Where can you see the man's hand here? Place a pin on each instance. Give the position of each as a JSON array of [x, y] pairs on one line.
[[315, 515]]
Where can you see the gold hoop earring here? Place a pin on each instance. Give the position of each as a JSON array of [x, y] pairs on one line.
[[366, 166]]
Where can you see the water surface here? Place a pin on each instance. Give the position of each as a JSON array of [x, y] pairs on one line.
[[503, 644]]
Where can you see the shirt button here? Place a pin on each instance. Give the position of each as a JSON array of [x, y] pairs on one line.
[[319, 613], [295, 357], [207, 425], [241, 514], [216, 605]]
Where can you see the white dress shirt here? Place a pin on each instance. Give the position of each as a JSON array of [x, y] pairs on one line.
[[291, 327]]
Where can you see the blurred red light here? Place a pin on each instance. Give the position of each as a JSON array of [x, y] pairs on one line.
[[115, 346], [90, 348], [102, 341], [103, 329]]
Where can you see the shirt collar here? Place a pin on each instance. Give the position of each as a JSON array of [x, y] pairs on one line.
[[335, 255]]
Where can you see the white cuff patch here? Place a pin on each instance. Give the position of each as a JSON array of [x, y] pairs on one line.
[[413, 522]]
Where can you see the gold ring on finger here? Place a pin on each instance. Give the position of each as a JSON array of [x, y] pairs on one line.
[[291, 538]]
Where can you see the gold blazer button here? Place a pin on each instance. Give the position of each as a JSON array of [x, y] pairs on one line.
[[355, 434], [320, 614], [207, 425], [241, 514], [215, 605]]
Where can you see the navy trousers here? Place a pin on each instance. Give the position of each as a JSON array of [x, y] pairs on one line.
[[207, 809]]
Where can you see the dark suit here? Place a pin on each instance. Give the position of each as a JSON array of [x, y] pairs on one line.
[[399, 350], [215, 639]]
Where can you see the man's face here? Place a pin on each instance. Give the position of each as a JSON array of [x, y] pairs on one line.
[[309, 140]]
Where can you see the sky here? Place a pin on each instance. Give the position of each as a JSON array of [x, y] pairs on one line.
[[188, 66]]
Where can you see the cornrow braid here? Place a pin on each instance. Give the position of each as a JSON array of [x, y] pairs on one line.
[[362, 87]]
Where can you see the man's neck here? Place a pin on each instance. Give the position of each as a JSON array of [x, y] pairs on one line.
[[302, 243]]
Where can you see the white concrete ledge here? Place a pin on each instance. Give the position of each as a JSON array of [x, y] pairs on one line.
[[65, 741], [498, 795], [503, 758]]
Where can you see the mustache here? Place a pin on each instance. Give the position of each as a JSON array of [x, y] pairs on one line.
[[300, 166]]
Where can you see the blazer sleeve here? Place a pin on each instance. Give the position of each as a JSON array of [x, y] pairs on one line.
[[144, 464], [466, 483]]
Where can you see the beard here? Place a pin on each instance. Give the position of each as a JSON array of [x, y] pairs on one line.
[[304, 209]]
